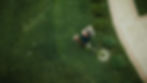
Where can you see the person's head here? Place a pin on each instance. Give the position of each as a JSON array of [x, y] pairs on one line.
[[85, 33]]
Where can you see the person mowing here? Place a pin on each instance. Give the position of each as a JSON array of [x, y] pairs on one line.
[[85, 37], [84, 40]]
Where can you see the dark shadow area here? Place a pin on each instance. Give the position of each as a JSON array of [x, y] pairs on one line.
[[141, 6]]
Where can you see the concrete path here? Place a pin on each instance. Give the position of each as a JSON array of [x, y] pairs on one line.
[[132, 31]]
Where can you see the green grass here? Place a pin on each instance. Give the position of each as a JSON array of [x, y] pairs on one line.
[[141, 6], [37, 47]]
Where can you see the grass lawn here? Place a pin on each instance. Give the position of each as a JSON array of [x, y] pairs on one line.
[[142, 7], [37, 47]]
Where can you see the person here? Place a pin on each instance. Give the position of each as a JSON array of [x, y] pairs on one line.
[[103, 54], [85, 37]]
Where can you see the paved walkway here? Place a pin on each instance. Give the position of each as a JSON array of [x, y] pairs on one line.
[[132, 31]]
